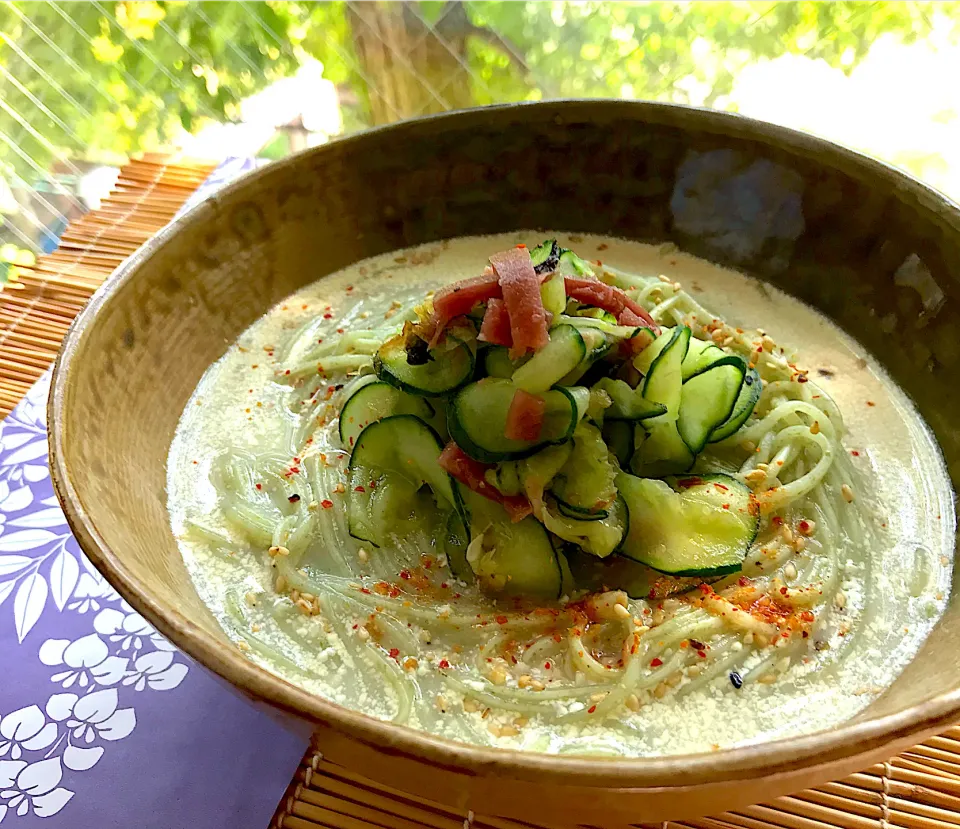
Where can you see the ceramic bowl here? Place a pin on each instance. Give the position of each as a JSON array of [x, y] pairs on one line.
[[870, 247]]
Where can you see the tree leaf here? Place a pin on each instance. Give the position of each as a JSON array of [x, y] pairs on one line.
[[30, 600], [25, 540], [63, 577]]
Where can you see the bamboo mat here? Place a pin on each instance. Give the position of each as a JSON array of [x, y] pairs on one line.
[[918, 790], [39, 303]]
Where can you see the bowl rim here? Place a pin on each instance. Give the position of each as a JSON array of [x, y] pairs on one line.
[[774, 757]]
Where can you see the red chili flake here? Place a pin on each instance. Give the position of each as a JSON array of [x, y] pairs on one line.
[[320, 340], [195, 463], [783, 591], [743, 581], [806, 616], [394, 653], [591, 709], [442, 664], [328, 316], [722, 487], [521, 245], [339, 330], [287, 371], [365, 590], [359, 489], [656, 662], [855, 453], [259, 486], [349, 288], [356, 626], [802, 378], [444, 585], [546, 666], [871, 403], [293, 498], [405, 574], [394, 592], [804, 526], [501, 620], [777, 520], [255, 365], [457, 595], [726, 506], [702, 654], [326, 503]]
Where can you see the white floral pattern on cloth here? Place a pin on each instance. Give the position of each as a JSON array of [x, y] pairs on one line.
[[96, 675]]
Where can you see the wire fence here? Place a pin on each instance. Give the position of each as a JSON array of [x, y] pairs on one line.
[[83, 85]]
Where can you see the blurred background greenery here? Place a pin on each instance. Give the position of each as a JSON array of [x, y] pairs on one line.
[[85, 84]]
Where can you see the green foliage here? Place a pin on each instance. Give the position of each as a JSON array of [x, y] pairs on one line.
[[99, 80]]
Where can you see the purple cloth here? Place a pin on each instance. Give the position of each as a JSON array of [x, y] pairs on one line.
[[104, 723]]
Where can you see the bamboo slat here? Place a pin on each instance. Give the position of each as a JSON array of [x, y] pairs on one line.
[[37, 308], [918, 790]]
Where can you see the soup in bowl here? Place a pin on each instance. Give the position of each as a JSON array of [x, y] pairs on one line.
[[647, 504]]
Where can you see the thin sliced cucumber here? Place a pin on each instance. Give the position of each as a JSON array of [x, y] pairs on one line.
[[545, 256], [628, 404], [477, 418], [455, 540], [557, 358], [442, 374], [374, 401], [568, 511], [664, 380], [742, 409], [707, 400], [644, 360], [362, 484], [497, 362], [699, 526], [572, 265], [510, 558], [618, 435], [598, 345], [700, 354], [612, 329], [406, 445], [619, 573], [662, 452], [585, 484], [553, 295], [506, 478], [599, 538]]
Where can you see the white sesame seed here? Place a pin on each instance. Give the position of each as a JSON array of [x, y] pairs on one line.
[[847, 492]]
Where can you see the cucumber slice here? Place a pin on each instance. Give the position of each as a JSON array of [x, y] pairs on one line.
[[585, 483], [557, 358], [618, 573], [699, 526], [374, 401], [599, 538], [664, 379], [455, 542], [477, 417], [407, 446], [612, 329], [707, 400], [444, 373], [497, 362], [628, 404], [553, 295], [598, 345], [700, 354], [572, 265], [662, 452], [742, 409], [618, 435], [510, 558], [645, 358], [576, 514], [545, 256], [362, 484]]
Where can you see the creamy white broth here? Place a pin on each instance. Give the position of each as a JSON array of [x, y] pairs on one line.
[[906, 498]]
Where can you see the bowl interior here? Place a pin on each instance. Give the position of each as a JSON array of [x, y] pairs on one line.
[[875, 251]]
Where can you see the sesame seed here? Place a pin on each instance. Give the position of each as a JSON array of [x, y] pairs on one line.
[[632, 702], [847, 492], [815, 428], [621, 612]]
